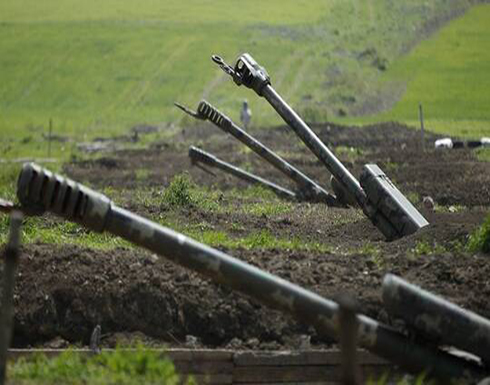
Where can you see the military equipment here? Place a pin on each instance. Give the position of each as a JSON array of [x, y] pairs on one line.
[[307, 188], [436, 318], [11, 261], [40, 190], [199, 156], [378, 197]]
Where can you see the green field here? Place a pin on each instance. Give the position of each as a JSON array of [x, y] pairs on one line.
[[99, 68], [448, 74]]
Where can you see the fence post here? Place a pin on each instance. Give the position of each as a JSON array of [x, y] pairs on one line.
[[10, 266], [422, 129], [351, 374]]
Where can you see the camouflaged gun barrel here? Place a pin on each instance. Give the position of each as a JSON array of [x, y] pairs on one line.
[[380, 200], [437, 319], [40, 190], [199, 156], [307, 188]]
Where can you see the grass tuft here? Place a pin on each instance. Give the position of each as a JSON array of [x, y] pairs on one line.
[[480, 239], [425, 248], [178, 193], [135, 366]]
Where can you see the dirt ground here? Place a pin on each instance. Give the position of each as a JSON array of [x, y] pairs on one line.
[[64, 291]]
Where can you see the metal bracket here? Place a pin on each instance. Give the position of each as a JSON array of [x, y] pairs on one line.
[[190, 112], [247, 72]]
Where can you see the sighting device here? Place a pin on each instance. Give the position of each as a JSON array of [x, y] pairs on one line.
[[387, 208]]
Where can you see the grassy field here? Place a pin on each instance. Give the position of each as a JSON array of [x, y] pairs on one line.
[[448, 75], [97, 69]]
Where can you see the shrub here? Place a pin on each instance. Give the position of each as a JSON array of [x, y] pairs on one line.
[[136, 366], [179, 192], [480, 239]]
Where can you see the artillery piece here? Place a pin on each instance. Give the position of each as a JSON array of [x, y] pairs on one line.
[[307, 189], [200, 156], [40, 190], [436, 318], [387, 208]]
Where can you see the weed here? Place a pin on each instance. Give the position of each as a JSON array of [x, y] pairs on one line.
[[425, 248], [142, 174], [374, 252], [237, 227], [261, 240], [480, 239], [369, 249], [178, 193], [121, 366], [449, 209], [267, 208], [256, 191], [483, 154]]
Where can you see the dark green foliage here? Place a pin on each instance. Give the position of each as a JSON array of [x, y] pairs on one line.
[[179, 192], [480, 239]]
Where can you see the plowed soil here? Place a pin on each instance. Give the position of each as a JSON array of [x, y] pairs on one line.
[[62, 292]]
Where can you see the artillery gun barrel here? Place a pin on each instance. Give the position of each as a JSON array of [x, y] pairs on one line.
[[199, 156], [437, 318], [308, 189], [386, 207], [40, 190]]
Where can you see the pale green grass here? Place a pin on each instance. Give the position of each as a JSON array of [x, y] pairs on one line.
[[137, 366], [190, 11], [98, 68], [448, 74]]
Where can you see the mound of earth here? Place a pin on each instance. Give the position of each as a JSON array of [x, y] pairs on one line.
[[63, 291]]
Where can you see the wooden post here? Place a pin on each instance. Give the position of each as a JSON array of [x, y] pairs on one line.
[[11, 260], [49, 137], [421, 117], [351, 374]]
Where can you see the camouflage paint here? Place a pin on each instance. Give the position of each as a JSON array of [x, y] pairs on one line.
[[266, 288]]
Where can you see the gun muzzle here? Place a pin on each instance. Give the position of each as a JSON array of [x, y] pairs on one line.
[[39, 190]]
